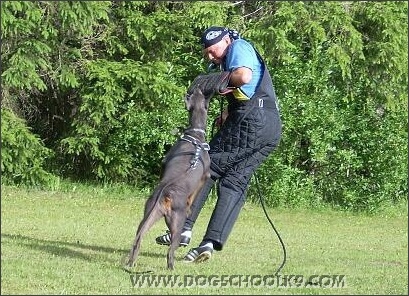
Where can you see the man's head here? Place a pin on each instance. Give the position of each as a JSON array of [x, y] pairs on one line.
[[215, 41]]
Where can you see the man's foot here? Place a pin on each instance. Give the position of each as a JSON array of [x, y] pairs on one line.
[[199, 254], [165, 239]]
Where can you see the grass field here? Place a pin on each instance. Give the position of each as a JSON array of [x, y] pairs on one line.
[[73, 242]]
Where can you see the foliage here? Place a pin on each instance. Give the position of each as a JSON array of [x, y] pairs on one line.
[[44, 45], [102, 84], [122, 98], [340, 139], [23, 156]]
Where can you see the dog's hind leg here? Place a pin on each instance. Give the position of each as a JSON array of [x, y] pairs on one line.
[[175, 224], [152, 214]]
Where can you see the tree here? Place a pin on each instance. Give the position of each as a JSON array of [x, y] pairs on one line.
[[102, 85]]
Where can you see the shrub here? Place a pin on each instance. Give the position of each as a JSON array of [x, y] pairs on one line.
[[23, 155]]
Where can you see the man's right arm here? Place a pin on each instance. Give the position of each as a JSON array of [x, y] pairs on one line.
[[240, 76]]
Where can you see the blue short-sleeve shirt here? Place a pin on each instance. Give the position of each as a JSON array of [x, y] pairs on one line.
[[242, 54]]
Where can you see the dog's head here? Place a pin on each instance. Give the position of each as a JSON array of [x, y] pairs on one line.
[[196, 100], [197, 105]]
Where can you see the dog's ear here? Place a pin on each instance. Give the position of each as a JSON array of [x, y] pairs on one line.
[[200, 97], [188, 101], [205, 100], [197, 93], [206, 103]]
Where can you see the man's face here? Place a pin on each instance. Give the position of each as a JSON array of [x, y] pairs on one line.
[[216, 52]]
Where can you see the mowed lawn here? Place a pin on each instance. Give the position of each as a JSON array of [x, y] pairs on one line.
[[74, 242]]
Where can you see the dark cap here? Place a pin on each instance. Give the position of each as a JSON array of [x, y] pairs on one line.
[[213, 35]]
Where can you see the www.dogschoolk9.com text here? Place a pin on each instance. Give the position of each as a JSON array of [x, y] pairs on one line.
[[237, 281]]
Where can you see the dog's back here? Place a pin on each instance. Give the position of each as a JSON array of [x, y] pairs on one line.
[[185, 168]]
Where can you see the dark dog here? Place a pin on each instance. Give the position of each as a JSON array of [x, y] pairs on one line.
[[185, 168]]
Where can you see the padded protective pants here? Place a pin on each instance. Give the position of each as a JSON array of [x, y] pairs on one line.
[[248, 135]]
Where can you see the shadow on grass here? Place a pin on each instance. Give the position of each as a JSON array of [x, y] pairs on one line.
[[70, 249]]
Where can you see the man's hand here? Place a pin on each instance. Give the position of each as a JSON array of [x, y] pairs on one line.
[[222, 118]]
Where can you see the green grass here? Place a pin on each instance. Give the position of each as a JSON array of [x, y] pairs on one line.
[[74, 241]]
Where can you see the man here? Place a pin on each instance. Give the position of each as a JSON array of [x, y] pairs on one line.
[[249, 133]]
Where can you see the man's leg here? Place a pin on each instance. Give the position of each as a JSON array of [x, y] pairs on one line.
[[232, 195], [231, 198], [198, 203], [246, 139]]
